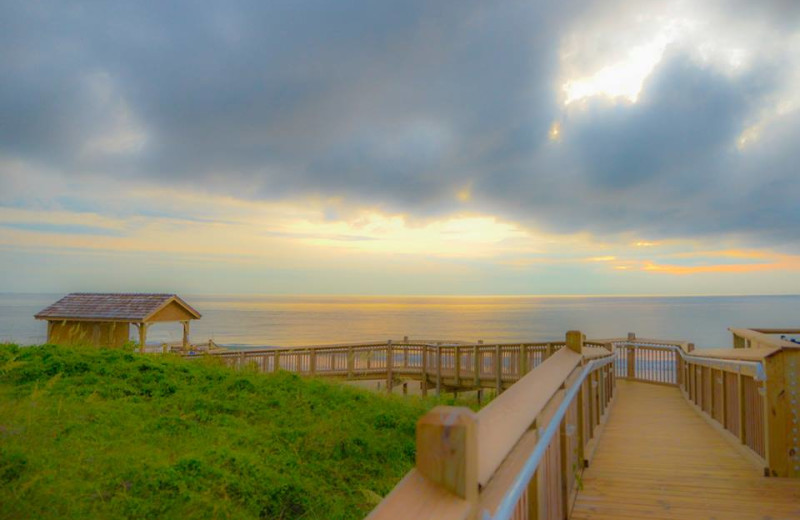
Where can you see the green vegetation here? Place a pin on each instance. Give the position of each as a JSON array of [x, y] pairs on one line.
[[96, 433]]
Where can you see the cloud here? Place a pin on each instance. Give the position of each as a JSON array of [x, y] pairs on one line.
[[415, 108]]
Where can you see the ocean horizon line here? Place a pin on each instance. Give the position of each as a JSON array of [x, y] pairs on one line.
[[420, 295]]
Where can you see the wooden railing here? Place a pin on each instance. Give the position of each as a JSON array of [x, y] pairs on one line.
[[443, 367], [733, 388], [519, 457], [522, 455]]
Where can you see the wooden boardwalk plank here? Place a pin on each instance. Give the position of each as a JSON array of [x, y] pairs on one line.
[[658, 459]]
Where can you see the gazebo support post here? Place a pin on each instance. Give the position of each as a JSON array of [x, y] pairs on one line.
[[185, 335], [142, 336]]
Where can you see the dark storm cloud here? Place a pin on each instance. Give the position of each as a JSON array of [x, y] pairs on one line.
[[394, 104], [667, 165]]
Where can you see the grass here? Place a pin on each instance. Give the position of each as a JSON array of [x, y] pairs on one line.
[[97, 433]]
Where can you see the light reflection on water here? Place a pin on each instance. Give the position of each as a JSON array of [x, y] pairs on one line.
[[299, 320]]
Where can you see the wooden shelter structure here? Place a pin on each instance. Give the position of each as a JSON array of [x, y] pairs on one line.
[[104, 319]]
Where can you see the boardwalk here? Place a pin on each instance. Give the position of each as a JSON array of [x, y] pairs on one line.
[[659, 459]]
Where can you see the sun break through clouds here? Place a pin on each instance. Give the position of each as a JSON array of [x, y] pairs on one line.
[[363, 147]]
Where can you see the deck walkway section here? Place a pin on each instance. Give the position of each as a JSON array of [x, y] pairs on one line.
[[659, 459]]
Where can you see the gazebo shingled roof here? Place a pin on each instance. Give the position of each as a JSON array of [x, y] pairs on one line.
[[96, 315], [129, 307]]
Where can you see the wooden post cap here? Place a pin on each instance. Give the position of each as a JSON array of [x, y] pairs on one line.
[[447, 449], [575, 341]]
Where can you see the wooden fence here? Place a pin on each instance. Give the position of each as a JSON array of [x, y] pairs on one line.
[[442, 367], [733, 388]]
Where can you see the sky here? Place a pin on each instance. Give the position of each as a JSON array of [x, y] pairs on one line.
[[400, 147]]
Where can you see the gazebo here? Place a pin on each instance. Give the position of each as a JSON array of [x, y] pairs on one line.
[[104, 319]]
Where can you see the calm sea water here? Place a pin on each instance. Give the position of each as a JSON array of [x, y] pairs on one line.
[[302, 320]]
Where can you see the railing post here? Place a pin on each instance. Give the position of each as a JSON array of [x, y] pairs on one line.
[[742, 416], [424, 385], [438, 370], [782, 413], [631, 361], [724, 403], [566, 472], [476, 365], [312, 361], [457, 365], [389, 366], [601, 381], [498, 370], [351, 362], [550, 349], [579, 426], [447, 450], [523, 361], [631, 356]]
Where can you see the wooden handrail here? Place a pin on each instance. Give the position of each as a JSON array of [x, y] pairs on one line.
[[504, 420], [475, 457], [756, 338]]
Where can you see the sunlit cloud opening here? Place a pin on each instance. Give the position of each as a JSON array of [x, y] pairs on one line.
[[619, 80]]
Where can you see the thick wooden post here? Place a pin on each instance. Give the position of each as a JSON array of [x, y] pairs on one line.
[[312, 361], [550, 350], [523, 361], [276, 361], [447, 450], [782, 413], [575, 341], [498, 370]]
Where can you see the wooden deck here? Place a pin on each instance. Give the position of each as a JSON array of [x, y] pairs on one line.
[[659, 459]]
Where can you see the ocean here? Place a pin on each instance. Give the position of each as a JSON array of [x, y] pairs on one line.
[[257, 321]]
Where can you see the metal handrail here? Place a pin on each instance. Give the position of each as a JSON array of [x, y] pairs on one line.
[[509, 502], [761, 374]]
